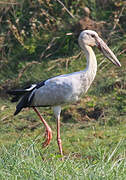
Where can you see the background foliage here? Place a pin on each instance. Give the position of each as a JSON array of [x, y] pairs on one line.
[[36, 30]]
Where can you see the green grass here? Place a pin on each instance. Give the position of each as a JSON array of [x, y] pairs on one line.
[[102, 159]]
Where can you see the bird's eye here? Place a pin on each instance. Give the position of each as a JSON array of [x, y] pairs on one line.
[[92, 35]]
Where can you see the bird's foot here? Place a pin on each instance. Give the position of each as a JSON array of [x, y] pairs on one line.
[[48, 136]]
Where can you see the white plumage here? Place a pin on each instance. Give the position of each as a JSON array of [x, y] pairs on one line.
[[61, 90], [64, 89]]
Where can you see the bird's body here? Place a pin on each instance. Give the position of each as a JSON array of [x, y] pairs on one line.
[[61, 90], [64, 89]]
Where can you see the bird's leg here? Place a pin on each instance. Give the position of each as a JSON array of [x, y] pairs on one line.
[[58, 136], [57, 111], [48, 129]]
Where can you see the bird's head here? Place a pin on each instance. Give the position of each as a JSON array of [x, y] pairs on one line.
[[91, 38]]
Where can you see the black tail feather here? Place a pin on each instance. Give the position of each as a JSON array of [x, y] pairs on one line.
[[16, 92], [15, 99], [23, 96], [21, 92], [22, 104], [17, 111]]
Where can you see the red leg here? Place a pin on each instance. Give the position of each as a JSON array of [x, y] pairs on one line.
[[48, 129], [58, 136]]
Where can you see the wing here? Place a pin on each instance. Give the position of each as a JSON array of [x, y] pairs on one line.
[[25, 95], [57, 91], [54, 91]]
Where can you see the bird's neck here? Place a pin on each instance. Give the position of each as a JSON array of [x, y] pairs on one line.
[[91, 67]]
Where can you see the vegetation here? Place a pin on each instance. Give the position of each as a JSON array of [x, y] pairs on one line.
[[38, 39]]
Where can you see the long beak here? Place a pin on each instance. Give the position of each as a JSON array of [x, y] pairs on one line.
[[107, 52]]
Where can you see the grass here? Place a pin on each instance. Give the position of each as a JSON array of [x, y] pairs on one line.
[[27, 160]]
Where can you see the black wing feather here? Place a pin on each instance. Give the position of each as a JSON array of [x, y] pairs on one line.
[[23, 95]]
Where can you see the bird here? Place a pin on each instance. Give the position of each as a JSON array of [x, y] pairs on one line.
[[63, 89]]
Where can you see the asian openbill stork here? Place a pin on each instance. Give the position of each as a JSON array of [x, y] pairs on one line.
[[64, 89]]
